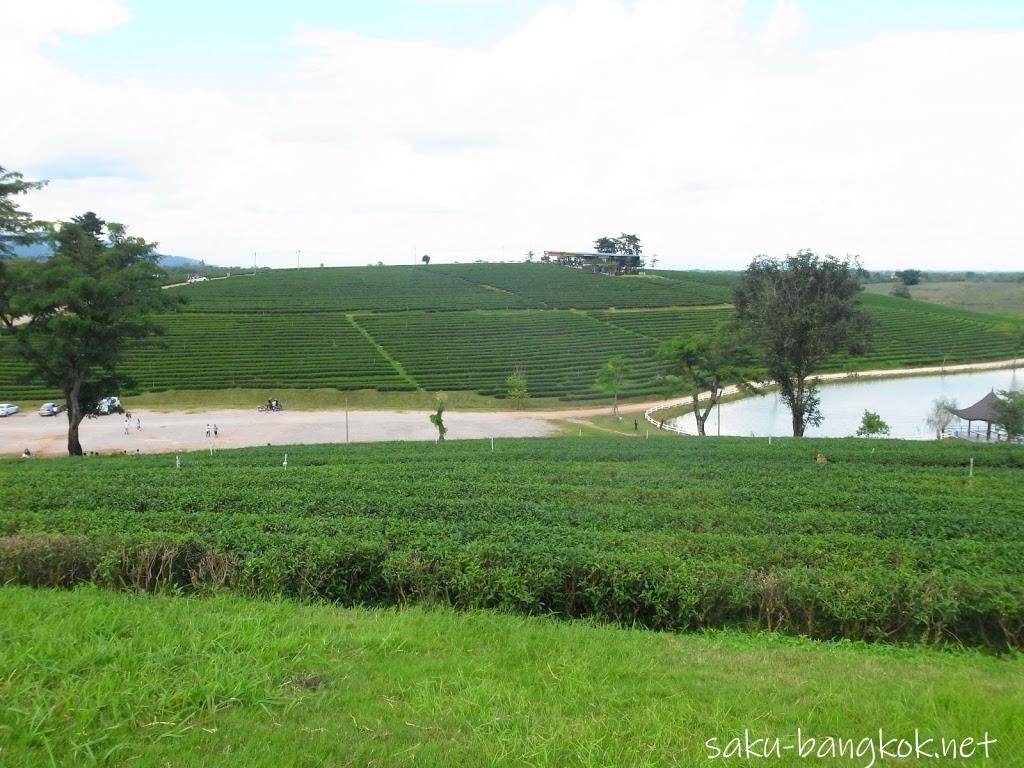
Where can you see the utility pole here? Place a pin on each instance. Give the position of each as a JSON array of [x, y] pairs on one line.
[[254, 263], [298, 259]]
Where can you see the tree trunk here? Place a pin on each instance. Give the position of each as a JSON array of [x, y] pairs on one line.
[[797, 405], [75, 417], [698, 417], [798, 423], [702, 418]]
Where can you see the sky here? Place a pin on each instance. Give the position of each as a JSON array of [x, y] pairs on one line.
[[348, 132]]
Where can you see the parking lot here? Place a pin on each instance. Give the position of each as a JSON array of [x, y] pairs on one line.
[[186, 431]]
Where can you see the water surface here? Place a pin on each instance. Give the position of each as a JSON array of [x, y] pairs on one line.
[[902, 403]]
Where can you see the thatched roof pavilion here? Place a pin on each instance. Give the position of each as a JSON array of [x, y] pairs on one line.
[[983, 410]]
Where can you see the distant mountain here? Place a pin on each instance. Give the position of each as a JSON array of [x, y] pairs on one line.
[[37, 251], [42, 251], [182, 261]]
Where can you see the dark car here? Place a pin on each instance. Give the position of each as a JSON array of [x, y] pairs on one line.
[[52, 409]]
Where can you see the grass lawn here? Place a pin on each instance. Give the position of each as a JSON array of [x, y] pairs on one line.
[[999, 298], [325, 399], [101, 678]]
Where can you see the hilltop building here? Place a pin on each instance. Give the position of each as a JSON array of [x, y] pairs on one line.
[[603, 263]]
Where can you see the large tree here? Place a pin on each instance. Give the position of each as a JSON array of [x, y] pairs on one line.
[[799, 312], [704, 364], [17, 227], [85, 306]]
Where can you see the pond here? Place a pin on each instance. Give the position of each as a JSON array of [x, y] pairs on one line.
[[902, 403]]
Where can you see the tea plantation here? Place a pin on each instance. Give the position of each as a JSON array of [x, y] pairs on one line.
[[888, 541], [467, 327]]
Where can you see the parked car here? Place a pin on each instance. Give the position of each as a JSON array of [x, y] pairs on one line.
[[197, 279], [109, 405], [51, 409], [6, 409]]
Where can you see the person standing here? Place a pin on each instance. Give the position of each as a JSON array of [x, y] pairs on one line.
[[207, 430], [215, 431], [138, 424], [127, 424]]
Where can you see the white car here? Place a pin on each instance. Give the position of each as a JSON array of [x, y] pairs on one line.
[[6, 409], [108, 405], [197, 279]]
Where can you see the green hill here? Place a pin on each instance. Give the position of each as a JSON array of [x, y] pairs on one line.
[[467, 327], [443, 287]]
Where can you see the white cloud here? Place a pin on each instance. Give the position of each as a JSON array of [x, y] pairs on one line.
[[30, 23], [668, 119], [785, 23]]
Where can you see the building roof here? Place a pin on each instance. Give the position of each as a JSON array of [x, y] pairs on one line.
[[983, 410]]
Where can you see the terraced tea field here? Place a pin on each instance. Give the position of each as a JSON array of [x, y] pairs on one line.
[[890, 540], [467, 327], [558, 287], [441, 287], [560, 352]]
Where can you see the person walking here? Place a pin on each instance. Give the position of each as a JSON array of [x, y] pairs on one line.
[[215, 431], [127, 424], [138, 424], [207, 430]]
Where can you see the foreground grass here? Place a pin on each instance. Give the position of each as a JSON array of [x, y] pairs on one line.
[[93, 677]]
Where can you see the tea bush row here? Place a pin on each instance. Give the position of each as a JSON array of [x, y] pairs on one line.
[[888, 541]]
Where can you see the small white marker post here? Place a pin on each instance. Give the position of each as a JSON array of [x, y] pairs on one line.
[[970, 472], [492, 443], [177, 461], [285, 463]]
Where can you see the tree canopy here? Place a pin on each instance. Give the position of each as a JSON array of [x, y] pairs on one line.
[[17, 227], [1010, 413], [910, 276], [624, 243], [516, 388], [798, 312], [704, 363], [612, 377], [84, 305], [872, 425]]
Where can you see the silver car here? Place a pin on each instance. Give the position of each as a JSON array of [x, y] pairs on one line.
[[51, 409], [6, 409]]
